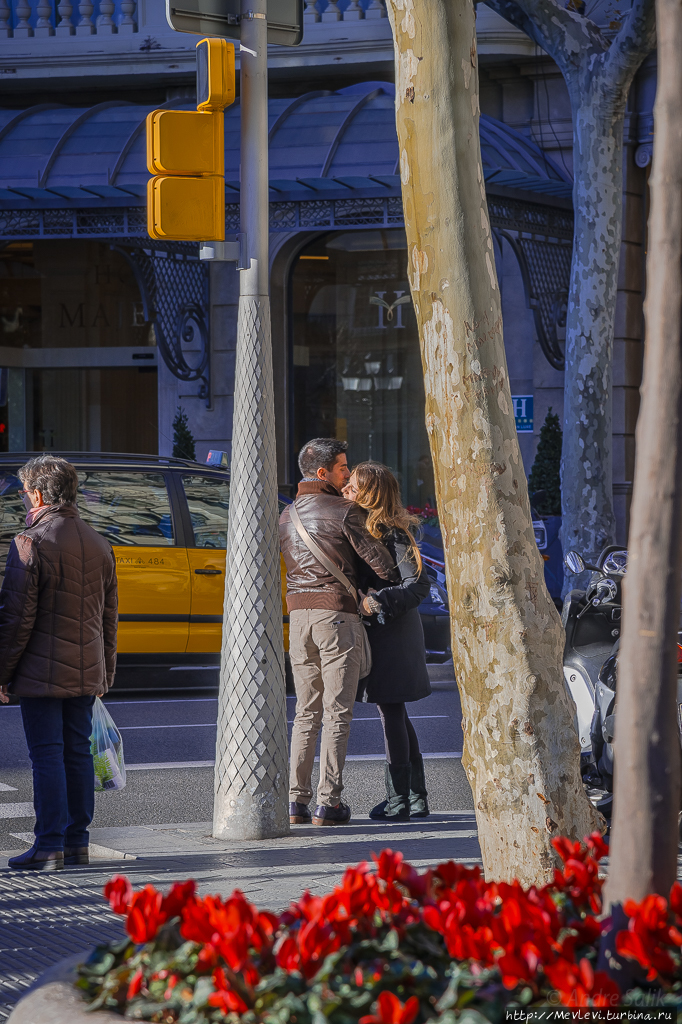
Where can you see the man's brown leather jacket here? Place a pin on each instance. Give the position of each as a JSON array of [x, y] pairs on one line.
[[338, 527]]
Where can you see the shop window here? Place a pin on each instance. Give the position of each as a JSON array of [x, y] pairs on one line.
[[357, 372], [113, 409], [69, 294]]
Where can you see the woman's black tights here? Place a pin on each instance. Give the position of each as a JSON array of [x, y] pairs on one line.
[[400, 738]]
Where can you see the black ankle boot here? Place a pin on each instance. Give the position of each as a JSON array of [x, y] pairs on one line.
[[397, 806], [37, 860], [419, 805]]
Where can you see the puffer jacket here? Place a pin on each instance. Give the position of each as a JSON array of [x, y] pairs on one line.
[[338, 527], [396, 634], [58, 609]]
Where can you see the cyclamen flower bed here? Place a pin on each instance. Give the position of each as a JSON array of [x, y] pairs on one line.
[[387, 946]]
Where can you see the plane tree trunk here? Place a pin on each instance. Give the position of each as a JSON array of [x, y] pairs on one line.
[[647, 745], [598, 71], [521, 750]]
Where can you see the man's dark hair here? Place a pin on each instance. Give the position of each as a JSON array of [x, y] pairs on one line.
[[320, 453], [55, 478]]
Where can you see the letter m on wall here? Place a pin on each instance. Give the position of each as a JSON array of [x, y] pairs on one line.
[[76, 320]]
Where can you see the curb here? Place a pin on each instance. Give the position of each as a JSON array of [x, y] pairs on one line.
[[54, 1000]]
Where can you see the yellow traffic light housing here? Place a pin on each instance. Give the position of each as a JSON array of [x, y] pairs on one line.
[[186, 152], [185, 142], [215, 74], [186, 209]]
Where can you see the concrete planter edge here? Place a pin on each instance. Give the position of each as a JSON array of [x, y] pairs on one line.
[[53, 999]]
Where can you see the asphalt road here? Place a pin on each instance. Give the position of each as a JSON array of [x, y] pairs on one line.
[[174, 734]]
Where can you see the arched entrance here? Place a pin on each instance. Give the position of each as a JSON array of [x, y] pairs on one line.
[[355, 363]]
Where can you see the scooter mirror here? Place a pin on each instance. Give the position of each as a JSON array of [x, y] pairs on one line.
[[574, 562]]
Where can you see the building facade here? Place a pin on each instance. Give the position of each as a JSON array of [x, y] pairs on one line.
[[104, 335]]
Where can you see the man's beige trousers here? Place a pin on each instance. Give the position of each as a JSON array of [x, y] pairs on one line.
[[324, 647]]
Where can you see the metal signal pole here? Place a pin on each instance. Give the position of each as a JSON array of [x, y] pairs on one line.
[[251, 768]]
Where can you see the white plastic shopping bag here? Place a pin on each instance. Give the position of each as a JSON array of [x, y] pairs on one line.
[[106, 744]]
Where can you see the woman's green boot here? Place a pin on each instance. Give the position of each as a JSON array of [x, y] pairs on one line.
[[419, 805]]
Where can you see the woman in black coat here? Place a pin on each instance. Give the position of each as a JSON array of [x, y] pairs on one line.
[[399, 673]]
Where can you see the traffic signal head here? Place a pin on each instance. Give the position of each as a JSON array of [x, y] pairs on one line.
[[185, 142], [215, 74], [186, 152], [186, 209]]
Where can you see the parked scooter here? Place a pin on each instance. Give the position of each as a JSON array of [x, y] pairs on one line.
[[592, 622]]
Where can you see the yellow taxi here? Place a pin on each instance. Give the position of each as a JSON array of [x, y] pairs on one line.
[[166, 520]]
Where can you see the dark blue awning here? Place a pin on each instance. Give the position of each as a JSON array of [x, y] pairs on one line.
[[323, 145]]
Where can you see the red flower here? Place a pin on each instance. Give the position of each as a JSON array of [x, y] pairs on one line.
[[225, 998], [181, 893], [649, 932], [580, 877], [389, 1010], [197, 920], [580, 985], [172, 982], [135, 984], [119, 892], [145, 916]]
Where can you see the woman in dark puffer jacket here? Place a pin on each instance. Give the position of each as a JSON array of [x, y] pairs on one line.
[[399, 673]]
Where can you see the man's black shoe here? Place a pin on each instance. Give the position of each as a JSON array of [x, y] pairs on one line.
[[76, 855], [38, 860], [339, 815], [299, 814]]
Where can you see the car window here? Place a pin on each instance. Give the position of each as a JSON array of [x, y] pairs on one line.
[[126, 507], [12, 513], [208, 499]]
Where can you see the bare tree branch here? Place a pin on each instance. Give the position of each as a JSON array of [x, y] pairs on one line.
[[567, 37], [634, 41]]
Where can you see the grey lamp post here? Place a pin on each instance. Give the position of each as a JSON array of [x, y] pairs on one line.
[[251, 769]]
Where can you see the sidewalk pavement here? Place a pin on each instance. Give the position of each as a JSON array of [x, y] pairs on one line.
[[45, 918]]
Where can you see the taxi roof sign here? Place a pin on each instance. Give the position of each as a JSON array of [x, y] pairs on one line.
[[222, 17]]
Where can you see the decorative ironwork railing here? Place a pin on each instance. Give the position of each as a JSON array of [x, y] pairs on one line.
[[22, 19], [296, 215]]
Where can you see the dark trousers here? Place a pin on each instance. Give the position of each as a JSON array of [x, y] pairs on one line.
[[400, 739], [58, 737]]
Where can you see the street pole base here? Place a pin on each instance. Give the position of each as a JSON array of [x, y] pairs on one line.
[[246, 816]]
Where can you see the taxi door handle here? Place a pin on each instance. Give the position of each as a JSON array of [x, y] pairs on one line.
[[208, 572]]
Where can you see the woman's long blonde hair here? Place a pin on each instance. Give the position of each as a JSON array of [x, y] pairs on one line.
[[379, 493]]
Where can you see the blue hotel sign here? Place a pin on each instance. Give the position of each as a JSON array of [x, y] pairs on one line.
[[523, 413]]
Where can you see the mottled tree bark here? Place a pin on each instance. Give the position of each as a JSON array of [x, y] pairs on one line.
[[647, 745], [521, 751], [598, 72]]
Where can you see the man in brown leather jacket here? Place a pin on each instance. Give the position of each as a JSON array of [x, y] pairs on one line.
[[58, 619], [325, 629]]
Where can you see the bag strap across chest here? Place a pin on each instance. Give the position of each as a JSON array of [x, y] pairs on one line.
[[319, 553]]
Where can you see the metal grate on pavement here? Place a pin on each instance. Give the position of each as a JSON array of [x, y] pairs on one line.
[[44, 919]]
